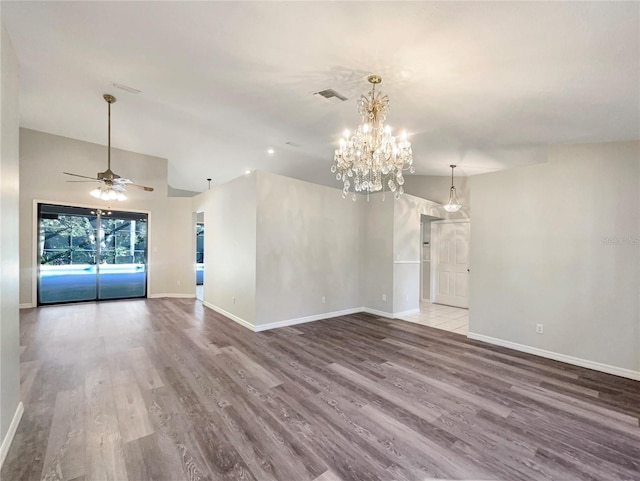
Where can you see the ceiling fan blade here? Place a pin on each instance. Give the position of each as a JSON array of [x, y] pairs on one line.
[[88, 181], [139, 187], [78, 175], [121, 180]]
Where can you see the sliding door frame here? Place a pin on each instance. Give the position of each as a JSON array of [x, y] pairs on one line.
[[35, 235]]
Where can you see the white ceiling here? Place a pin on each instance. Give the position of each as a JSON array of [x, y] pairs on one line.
[[486, 85]]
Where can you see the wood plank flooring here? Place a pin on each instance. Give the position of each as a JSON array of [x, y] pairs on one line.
[[165, 389]]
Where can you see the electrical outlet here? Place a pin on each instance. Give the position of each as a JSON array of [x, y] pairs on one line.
[[384, 297], [539, 328], [178, 283], [324, 299], [233, 299]]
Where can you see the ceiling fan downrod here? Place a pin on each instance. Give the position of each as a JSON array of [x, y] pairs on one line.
[[110, 99]]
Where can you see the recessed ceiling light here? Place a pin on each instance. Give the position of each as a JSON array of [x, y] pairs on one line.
[[271, 151], [247, 171]]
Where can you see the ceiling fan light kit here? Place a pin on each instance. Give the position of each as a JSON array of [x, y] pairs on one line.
[[113, 186], [107, 193]]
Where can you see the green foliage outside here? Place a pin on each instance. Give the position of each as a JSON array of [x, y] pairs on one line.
[[72, 239], [199, 243]]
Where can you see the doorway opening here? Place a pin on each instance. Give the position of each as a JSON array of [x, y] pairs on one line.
[[443, 275], [200, 256], [87, 254], [425, 257]]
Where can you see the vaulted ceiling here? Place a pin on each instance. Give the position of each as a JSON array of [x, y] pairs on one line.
[[486, 85]]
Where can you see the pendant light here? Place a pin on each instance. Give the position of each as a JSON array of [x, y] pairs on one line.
[[453, 205]]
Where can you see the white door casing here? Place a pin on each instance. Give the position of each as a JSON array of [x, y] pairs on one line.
[[450, 263]]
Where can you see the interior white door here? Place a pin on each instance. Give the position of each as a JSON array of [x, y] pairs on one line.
[[451, 276]]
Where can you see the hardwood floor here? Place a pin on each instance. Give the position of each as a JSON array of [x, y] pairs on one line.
[[165, 389]]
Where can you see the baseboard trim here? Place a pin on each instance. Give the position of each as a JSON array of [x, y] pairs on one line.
[[302, 320], [406, 313], [375, 312], [576, 361], [172, 295], [11, 432], [299, 320], [233, 317], [390, 315], [26, 305]]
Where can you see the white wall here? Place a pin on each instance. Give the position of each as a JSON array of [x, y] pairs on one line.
[[426, 259], [540, 255], [9, 268], [289, 243], [436, 188], [43, 157], [407, 240], [308, 238], [180, 268], [390, 248], [230, 247], [376, 252]]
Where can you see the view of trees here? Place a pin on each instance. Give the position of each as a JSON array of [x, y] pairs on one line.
[[72, 239]]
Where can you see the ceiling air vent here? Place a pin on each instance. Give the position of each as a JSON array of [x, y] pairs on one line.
[[330, 93]]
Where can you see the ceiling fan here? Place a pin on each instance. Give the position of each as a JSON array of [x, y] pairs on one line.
[[113, 186]]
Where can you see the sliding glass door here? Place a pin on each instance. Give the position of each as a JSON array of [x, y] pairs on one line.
[[90, 254], [123, 254], [68, 249]]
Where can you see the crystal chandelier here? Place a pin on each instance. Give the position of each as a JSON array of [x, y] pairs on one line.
[[371, 160], [453, 205]]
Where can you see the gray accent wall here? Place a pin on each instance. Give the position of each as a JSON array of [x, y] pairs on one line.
[[557, 244], [9, 268]]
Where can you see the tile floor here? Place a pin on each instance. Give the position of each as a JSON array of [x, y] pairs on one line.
[[447, 318]]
